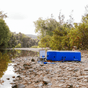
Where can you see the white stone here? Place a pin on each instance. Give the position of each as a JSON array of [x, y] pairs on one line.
[[86, 69], [60, 85]]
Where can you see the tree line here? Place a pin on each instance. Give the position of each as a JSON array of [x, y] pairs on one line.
[[10, 39], [61, 35], [58, 35]]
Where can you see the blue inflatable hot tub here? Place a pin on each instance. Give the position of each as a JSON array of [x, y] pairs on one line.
[[63, 55]]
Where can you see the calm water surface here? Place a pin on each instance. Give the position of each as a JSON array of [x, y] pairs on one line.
[[6, 67], [9, 73]]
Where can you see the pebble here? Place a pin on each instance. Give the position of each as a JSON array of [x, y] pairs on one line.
[[71, 74], [86, 69]]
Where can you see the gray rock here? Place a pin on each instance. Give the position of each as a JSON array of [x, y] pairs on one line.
[[77, 86], [40, 85], [14, 86], [30, 70], [76, 69], [85, 80], [20, 86], [70, 86], [49, 84], [60, 85], [46, 80], [62, 81], [13, 60]]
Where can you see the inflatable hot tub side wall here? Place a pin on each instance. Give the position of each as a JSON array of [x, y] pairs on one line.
[[63, 55]]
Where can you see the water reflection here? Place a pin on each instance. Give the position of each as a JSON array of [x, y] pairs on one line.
[[6, 66], [4, 60], [8, 74]]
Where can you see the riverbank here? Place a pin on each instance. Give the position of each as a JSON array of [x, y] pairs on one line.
[[59, 75]]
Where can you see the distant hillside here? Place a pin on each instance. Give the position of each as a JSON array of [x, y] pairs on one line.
[[32, 36]]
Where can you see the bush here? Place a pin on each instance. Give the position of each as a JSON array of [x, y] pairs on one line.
[[34, 47], [18, 46]]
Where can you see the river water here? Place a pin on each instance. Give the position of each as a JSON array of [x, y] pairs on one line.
[[7, 72]]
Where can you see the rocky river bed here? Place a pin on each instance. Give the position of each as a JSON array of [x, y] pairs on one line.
[[59, 75]]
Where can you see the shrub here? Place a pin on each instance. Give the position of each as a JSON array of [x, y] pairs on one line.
[[18, 46]]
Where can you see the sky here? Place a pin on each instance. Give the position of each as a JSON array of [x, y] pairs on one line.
[[22, 13]]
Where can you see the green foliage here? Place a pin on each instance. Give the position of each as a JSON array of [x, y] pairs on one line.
[[18, 46], [74, 38], [45, 27], [83, 29], [25, 41], [64, 36], [4, 34], [85, 19], [57, 41], [45, 41], [34, 47]]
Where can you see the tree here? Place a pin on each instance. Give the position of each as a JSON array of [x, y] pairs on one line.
[[4, 31], [45, 27], [85, 18], [18, 46], [83, 30], [61, 18], [58, 35], [12, 42], [45, 41], [4, 34], [2, 15]]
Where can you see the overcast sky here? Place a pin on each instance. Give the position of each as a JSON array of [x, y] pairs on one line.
[[22, 13]]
